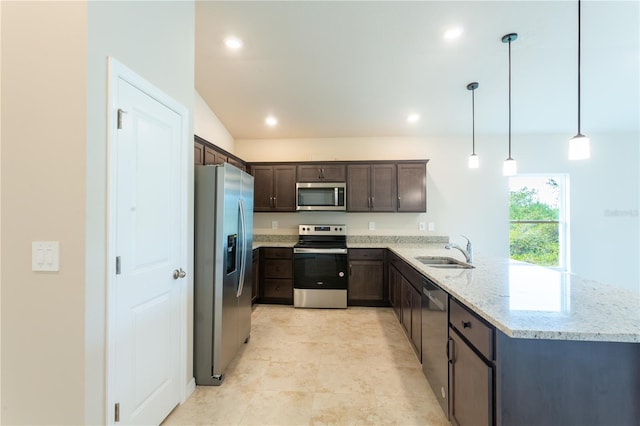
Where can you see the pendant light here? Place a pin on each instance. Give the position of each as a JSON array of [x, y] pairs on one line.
[[474, 161], [509, 167], [579, 145]]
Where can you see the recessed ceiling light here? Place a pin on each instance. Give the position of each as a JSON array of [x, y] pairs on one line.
[[271, 121], [453, 33], [233, 42], [413, 118]]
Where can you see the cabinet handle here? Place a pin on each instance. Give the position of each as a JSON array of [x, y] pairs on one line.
[[349, 269], [321, 173], [466, 324], [275, 202], [398, 202], [372, 201], [450, 351]]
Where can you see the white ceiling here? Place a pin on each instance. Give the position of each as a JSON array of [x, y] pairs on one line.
[[358, 68]]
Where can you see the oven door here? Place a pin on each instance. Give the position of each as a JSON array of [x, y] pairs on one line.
[[320, 269]]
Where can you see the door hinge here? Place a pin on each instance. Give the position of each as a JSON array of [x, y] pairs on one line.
[[116, 415], [120, 112], [118, 265]]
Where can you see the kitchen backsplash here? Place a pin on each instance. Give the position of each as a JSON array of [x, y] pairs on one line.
[[360, 239]]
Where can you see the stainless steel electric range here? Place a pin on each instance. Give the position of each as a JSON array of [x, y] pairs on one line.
[[320, 267]]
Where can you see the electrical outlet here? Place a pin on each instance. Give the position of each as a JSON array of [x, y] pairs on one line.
[[432, 226], [372, 226], [421, 226], [274, 224]]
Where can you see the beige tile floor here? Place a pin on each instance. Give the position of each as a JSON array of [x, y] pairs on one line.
[[315, 367]]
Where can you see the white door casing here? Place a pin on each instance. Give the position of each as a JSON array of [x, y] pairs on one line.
[[147, 234]]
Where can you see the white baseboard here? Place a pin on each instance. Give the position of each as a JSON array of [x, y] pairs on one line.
[[189, 389]]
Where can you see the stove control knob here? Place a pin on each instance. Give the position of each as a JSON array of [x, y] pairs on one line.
[[341, 274]]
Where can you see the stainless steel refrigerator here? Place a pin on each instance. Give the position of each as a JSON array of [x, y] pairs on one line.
[[222, 289]]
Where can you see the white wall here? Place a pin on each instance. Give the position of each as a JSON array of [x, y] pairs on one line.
[[156, 40], [209, 127], [475, 202]]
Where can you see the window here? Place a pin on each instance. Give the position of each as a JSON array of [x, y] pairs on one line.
[[538, 212]]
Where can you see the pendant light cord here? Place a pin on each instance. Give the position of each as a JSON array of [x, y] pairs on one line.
[[509, 98], [579, 67], [473, 120]]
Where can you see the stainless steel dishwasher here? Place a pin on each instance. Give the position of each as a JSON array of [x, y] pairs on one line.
[[435, 325]]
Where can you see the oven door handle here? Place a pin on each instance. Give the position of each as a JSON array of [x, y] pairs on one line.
[[320, 250]]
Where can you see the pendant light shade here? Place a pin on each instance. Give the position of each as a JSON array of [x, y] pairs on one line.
[[579, 145], [474, 161], [510, 167]]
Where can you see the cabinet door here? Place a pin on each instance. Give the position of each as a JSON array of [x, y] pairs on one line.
[[237, 163], [383, 188], [198, 153], [309, 173], [210, 156], [333, 172], [280, 290], [366, 280], [471, 390], [412, 187], [393, 293], [284, 186], [416, 321], [262, 188], [255, 277], [406, 304], [358, 188]]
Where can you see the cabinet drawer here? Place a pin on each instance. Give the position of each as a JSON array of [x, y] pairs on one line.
[[472, 327], [276, 268], [366, 254], [278, 289], [278, 253]]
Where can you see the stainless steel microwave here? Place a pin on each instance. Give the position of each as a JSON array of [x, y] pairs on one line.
[[321, 196]]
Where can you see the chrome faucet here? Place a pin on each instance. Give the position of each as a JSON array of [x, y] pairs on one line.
[[468, 253]]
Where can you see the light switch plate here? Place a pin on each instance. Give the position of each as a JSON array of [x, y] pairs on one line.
[[432, 226], [45, 256], [421, 226]]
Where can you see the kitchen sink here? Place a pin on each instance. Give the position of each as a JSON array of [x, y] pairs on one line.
[[444, 262]]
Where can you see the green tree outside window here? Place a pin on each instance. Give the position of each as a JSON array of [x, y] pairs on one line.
[[534, 224]]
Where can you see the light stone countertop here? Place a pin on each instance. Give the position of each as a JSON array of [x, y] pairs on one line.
[[523, 300], [531, 302]]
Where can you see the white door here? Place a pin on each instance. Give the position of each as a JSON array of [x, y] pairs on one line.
[[145, 341]]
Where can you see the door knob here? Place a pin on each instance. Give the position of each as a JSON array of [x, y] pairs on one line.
[[179, 273]]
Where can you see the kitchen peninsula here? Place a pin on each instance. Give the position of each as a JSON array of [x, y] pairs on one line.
[[559, 349]]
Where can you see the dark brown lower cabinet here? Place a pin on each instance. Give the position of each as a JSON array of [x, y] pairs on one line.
[[255, 276], [367, 278], [471, 384], [395, 286], [276, 267]]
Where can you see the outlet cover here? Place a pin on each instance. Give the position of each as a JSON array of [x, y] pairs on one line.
[[372, 226], [421, 226], [274, 224], [432, 226]]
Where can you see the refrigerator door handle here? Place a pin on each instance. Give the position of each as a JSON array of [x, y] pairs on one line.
[[243, 247]]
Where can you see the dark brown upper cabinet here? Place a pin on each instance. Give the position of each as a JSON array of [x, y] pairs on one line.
[[274, 188], [371, 187], [322, 173], [412, 187]]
